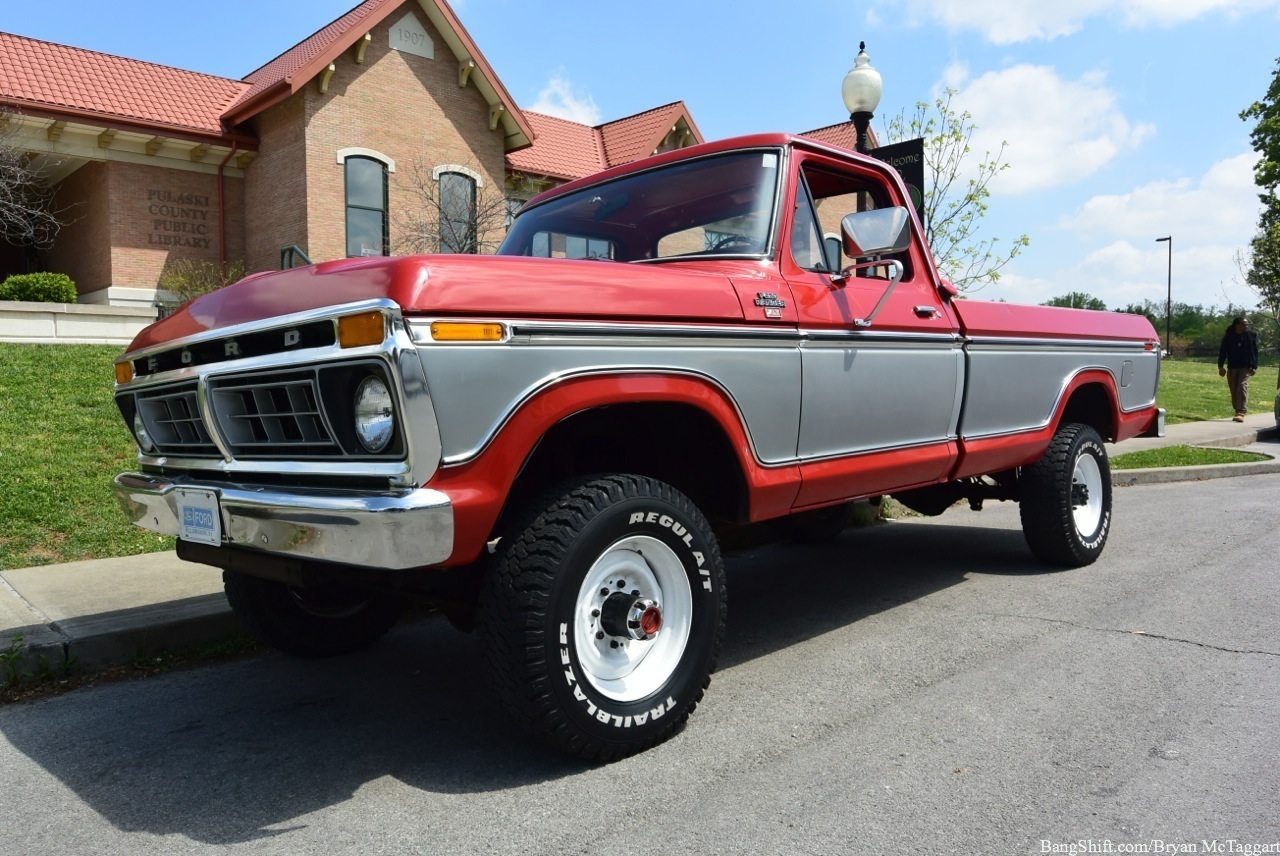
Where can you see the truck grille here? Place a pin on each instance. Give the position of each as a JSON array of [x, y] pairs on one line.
[[304, 414], [273, 416], [172, 417]]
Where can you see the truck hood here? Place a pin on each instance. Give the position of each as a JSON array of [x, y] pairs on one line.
[[487, 286]]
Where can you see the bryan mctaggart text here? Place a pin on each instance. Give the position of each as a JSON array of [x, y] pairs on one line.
[[1106, 845]]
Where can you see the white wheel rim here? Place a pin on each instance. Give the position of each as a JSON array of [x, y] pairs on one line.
[[1088, 515], [622, 668]]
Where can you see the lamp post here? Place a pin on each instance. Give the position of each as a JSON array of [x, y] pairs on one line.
[[861, 92], [1168, 304]]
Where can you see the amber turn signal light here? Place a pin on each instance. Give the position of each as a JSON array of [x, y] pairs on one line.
[[467, 331], [366, 328], [124, 371]]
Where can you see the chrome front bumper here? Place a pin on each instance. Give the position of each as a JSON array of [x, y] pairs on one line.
[[391, 529]]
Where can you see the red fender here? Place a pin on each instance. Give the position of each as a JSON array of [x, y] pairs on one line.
[[479, 487]]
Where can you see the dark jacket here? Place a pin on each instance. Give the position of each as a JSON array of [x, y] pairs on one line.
[[1239, 350]]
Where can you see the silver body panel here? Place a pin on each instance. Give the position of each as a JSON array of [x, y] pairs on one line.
[[801, 395], [476, 387], [865, 392], [1016, 385]]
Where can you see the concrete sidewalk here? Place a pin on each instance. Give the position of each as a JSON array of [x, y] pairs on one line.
[[109, 611]]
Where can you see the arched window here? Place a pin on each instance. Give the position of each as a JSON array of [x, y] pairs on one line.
[[366, 193], [457, 212]]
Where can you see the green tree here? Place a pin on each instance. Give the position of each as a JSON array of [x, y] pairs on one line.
[[1266, 141], [1077, 300], [956, 193], [1260, 268]]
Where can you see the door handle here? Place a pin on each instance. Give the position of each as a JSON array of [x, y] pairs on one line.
[[926, 311]]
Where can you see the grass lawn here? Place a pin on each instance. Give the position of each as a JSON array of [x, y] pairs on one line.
[[61, 442], [1191, 391], [1182, 456]]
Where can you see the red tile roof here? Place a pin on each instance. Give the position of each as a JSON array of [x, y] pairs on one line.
[[635, 137], [561, 149], [44, 75], [62, 79], [842, 134], [568, 150]]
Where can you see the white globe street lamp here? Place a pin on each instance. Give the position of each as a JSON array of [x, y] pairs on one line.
[[861, 90]]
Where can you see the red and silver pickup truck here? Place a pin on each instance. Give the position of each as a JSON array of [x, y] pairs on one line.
[[550, 443]]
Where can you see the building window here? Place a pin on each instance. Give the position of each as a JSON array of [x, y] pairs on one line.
[[457, 213], [366, 192]]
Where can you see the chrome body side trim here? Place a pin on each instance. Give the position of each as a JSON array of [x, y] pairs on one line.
[[390, 529]]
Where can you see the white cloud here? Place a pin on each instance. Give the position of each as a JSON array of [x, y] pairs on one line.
[[1222, 207], [1058, 131], [1210, 219], [1006, 22], [559, 99], [1122, 273]]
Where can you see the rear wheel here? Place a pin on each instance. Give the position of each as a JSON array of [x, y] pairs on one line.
[[602, 622], [316, 621], [1066, 498]]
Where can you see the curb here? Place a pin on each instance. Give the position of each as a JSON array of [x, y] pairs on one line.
[[1165, 475], [110, 639]]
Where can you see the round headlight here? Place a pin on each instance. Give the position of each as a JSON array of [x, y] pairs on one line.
[[375, 419], [140, 433]]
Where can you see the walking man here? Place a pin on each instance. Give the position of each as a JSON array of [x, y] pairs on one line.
[[1239, 351]]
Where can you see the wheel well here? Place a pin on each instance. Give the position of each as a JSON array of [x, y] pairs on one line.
[[1091, 405], [674, 443]]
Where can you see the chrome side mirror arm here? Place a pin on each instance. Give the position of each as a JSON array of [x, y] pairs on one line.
[[838, 280]]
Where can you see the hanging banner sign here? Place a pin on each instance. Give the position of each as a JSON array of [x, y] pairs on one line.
[[907, 157]]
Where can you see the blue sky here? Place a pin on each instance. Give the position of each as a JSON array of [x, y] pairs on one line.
[[1121, 116]]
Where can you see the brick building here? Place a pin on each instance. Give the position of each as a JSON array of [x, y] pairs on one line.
[[386, 131]]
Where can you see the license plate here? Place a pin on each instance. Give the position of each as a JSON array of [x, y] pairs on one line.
[[198, 517]]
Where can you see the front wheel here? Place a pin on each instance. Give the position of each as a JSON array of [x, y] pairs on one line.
[[602, 622], [1066, 498]]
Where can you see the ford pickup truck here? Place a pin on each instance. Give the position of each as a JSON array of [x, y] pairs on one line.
[[551, 442]]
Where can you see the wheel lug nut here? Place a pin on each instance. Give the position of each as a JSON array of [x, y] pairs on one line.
[[622, 584], [613, 644], [604, 592], [635, 592], [600, 635], [595, 613]]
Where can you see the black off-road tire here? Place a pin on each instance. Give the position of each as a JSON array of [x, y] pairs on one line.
[[554, 666], [1063, 524], [321, 621]]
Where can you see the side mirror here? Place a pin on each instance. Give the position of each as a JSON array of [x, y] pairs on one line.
[[876, 233], [868, 235]]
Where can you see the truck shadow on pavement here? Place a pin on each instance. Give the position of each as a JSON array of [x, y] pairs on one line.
[[246, 750]]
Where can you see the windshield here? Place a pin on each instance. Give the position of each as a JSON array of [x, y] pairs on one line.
[[719, 205]]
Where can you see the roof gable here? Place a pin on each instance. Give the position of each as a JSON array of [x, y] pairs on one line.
[[641, 135], [293, 69], [567, 150]]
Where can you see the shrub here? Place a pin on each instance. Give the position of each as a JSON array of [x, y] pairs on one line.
[[39, 288], [185, 279]]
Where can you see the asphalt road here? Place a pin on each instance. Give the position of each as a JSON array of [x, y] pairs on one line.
[[914, 688]]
